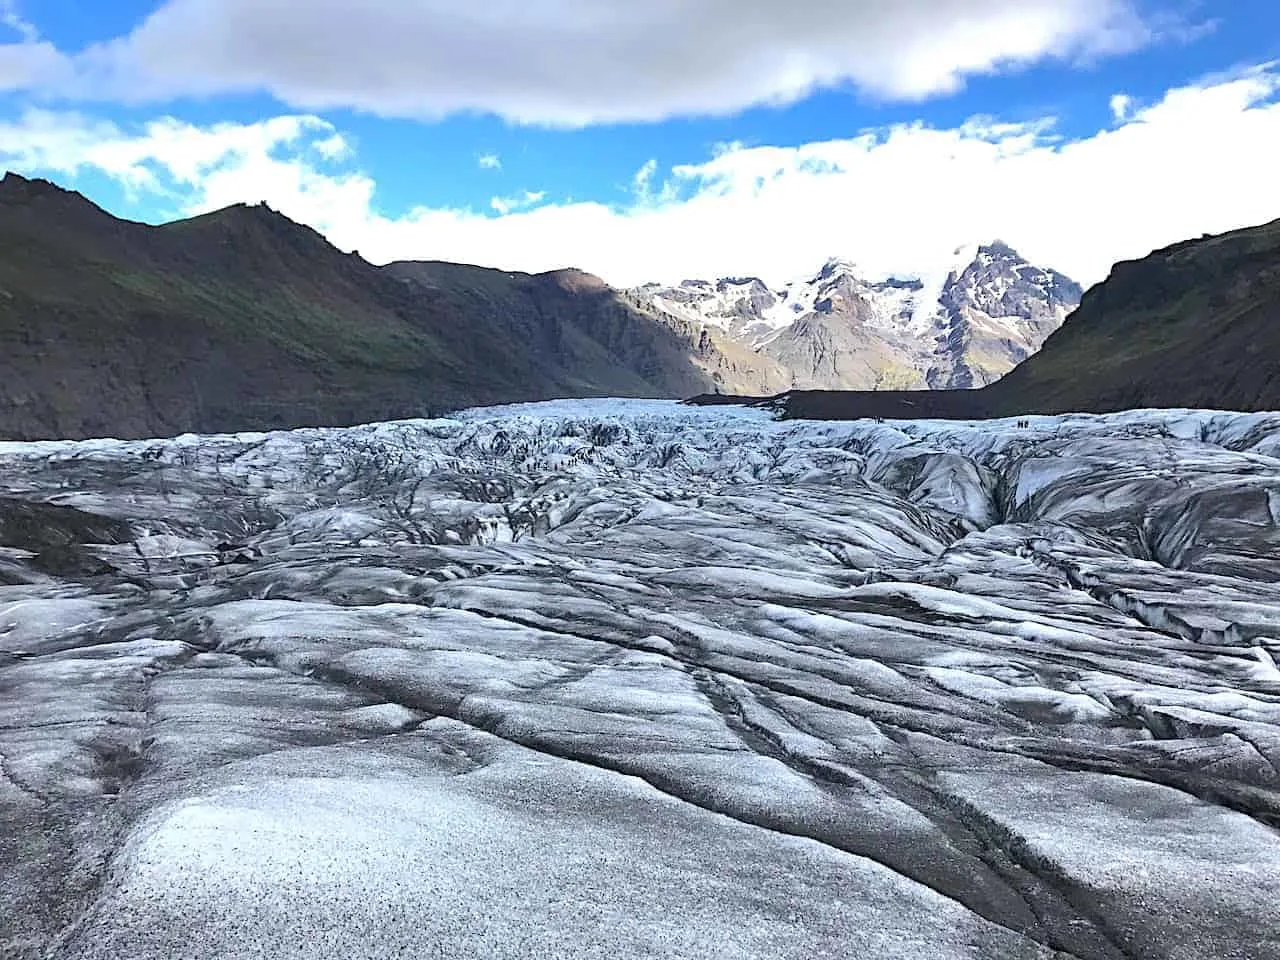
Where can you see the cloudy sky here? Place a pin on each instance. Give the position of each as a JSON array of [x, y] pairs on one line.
[[663, 139]]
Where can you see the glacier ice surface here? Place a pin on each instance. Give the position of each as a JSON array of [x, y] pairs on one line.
[[633, 679]]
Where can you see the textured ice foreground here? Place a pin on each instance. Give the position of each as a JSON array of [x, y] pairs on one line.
[[635, 680]]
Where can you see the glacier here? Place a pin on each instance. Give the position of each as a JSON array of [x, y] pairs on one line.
[[636, 679]]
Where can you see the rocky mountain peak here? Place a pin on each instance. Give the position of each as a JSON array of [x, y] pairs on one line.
[[834, 268], [993, 309], [731, 284], [1000, 282], [15, 185], [996, 309], [17, 190], [898, 283], [998, 249], [573, 280]]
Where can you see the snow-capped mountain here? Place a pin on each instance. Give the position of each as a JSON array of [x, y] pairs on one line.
[[839, 329], [996, 312], [742, 307]]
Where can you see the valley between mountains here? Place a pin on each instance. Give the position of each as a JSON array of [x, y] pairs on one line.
[[242, 319]]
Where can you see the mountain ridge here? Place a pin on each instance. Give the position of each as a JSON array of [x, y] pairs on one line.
[[838, 328], [241, 319]]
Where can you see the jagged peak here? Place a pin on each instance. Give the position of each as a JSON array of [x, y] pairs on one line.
[[15, 181], [998, 248], [973, 257], [261, 206], [15, 187], [249, 216], [894, 282], [836, 266], [259, 210]]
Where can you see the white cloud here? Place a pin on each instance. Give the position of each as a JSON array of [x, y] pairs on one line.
[[577, 62], [35, 64], [489, 161], [1201, 159], [643, 179], [1121, 104], [13, 20], [334, 148], [195, 168], [26, 61], [520, 201]]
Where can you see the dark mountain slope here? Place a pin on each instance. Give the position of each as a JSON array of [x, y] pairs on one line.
[[242, 319], [1194, 325], [533, 325]]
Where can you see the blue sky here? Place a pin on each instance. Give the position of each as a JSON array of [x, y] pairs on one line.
[[677, 138]]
